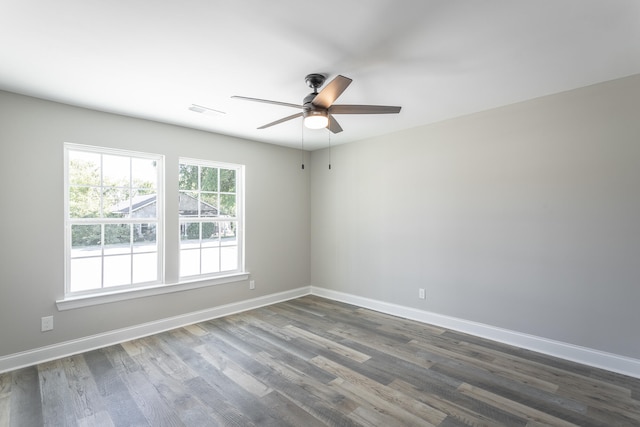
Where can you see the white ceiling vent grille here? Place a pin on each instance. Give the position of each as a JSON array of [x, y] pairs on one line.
[[205, 110]]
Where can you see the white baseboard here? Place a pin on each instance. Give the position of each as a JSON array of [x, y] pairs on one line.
[[587, 356], [611, 362], [68, 348]]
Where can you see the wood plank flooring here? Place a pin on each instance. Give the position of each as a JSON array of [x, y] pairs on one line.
[[315, 362]]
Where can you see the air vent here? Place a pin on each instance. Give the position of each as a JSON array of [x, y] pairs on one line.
[[205, 110]]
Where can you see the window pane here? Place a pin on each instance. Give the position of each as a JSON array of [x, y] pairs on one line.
[[117, 202], [227, 180], [84, 202], [189, 262], [84, 168], [228, 204], [229, 239], [144, 174], [210, 234], [227, 229], [190, 234], [144, 238], [116, 171], [187, 177], [229, 258], [117, 239], [117, 270], [188, 204], [140, 206], [209, 204], [145, 268], [86, 274], [210, 260], [85, 239], [209, 179]]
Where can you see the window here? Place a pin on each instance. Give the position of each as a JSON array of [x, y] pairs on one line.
[[114, 223], [113, 219], [210, 218]]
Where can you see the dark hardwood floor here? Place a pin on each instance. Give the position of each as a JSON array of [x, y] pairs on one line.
[[315, 362]]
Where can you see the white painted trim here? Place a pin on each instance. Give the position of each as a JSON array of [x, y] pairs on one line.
[[609, 361], [70, 303], [67, 348], [587, 356]]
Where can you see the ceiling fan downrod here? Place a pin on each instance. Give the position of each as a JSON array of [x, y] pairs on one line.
[[314, 81]]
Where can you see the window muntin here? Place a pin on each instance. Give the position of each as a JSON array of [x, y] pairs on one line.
[[210, 218], [113, 201]]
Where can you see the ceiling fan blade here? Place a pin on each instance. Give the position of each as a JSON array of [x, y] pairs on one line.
[[331, 92], [266, 101], [334, 126], [277, 122], [363, 109]]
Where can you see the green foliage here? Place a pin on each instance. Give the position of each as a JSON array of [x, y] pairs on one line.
[[188, 177], [84, 202], [210, 230], [91, 198], [84, 172], [209, 179], [192, 231], [227, 180], [209, 182], [228, 204], [85, 235], [144, 187], [115, 234]]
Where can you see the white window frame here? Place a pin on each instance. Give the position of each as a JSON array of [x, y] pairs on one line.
[[73, 300], [69, 222], [238, 218]]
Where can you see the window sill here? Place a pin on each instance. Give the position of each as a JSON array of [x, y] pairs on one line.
[[71, 303]]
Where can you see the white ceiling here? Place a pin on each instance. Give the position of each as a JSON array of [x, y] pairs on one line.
[[436, 59]]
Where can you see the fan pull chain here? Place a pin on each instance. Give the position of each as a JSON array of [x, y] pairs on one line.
[[302, 144], [329, 132]]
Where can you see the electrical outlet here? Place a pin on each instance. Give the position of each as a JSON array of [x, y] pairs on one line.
[[47, 323], [421, 293], [252, 284]]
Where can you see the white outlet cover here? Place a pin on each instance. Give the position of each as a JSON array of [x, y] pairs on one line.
[[47, 323]]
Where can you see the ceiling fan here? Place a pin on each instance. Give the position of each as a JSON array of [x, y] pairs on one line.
[[318, 108]]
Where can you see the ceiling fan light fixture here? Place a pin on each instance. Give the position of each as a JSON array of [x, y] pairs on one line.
[[316, 120]]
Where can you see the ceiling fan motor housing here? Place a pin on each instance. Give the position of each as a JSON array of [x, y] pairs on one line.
[[306, 102], [311, 113]]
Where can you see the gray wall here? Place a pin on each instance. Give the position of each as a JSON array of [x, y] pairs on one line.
[[525, 217], [32, 133]]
